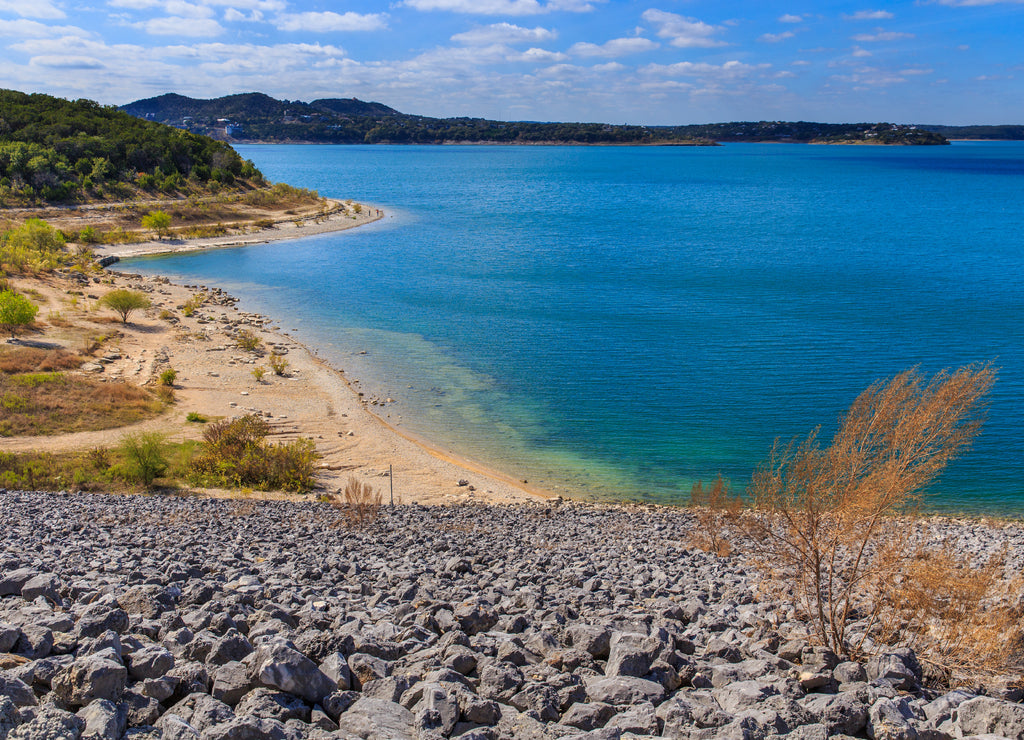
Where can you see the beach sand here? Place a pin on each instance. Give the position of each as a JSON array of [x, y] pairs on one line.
[[215, 379]]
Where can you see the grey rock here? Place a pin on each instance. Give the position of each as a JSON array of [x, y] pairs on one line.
[[849, 672], [273, 705], [590, 716], [375, 719], [335, 667], [142, 710], [538, 698], [899, 667], [202, 711], [604, 733], [365, 668], [889, 719], [12, 582], [9, 635], [231, 682], [34, 641], [104, 720], [742, 695], [631, 654], [49, 723], [19, 692], [640, 719], [500, 681], [339, 702], [435, 710], [173, 727], [688, 710], [9, 716], [151, 661], [624, 690], [591, 638], [46, 585], [160, 689], [279, 666], [841, 713], [99, 618], [228, 647], [985, 715], [93, 677]]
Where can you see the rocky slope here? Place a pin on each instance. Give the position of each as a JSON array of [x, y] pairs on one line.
[[176, 617]]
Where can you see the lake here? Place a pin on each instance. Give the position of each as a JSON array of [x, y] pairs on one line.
[[618, 322]]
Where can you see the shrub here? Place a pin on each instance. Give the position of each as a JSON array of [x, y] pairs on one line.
[[144, 458], [234, 453], [168, 376], [278, 363], [247, 340], [195, 417], [826, 520], [258, 372], [359, 504], [16, 311], [158, 221], [124, 302]]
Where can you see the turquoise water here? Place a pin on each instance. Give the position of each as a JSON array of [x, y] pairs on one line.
[[621, 321]]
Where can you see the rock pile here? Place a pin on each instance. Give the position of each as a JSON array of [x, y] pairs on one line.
[[180, 618]]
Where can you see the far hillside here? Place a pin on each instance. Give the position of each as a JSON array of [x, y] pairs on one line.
[[259, 117], [55, 150]]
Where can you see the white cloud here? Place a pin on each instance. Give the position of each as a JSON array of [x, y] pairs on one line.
[[916, 71], [882, 36], [329, 21], [181, 9], [27, 29], [869, 15], [191, 27], [538, 56], [31, 8], [502, 7], [65, 62], [774, 38], [704, 69], [800, 63], [683, 32], [790, 18], [859, 52], [613, 48], [504, 33], [231, 15], [133, 4]]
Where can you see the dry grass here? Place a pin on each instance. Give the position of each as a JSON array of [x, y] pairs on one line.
[[47, 403], [36, 360], [357, 506]]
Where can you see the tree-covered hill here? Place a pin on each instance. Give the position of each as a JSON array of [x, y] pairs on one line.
[[257, 117], [73, 151]]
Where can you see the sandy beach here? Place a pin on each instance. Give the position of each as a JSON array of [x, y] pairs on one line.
[[215, 377]]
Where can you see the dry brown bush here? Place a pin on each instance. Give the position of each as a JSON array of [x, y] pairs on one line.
[[36, 360], [825, 523], [716, 510], [358, 505], [963, 621]]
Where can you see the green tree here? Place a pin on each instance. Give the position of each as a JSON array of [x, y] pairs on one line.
[[158, 221], [15, 311], [123, 302]]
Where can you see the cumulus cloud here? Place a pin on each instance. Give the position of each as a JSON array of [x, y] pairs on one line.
[[882, 36], [704, 69], [502, 7], [503, 33], [31, 8], [64, 62], [682, 32], [26, 29], [971, 3], [329, 21], [181, 9], [613, 48], [774, 38], [790, 18], [191, 27], [537, 56], [869, 15], [859, 52]]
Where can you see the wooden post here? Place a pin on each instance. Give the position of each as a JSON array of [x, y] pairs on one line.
[[391, 480]]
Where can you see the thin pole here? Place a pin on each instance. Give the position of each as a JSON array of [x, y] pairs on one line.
[[391, 480]]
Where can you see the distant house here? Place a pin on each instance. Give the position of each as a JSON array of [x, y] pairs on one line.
[[234, 130]]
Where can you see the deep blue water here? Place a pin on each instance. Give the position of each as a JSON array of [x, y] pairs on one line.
[[623, 321]]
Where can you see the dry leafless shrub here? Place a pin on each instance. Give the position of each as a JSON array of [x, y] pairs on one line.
[[963, 621], [357, 505], [716, 510], [825, 522]]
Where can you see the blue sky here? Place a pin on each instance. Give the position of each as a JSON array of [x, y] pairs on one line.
[[616, 61]]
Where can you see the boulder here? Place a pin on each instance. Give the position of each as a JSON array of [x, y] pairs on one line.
[[624, 690], [281, 667], [375, 719], [49, 723]]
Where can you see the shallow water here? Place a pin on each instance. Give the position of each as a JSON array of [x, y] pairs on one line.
[[623, 321]]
